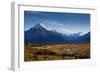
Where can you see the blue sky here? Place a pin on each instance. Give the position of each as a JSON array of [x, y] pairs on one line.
[[71, 22]]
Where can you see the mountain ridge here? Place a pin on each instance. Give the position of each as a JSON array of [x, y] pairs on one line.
[[39, 34]]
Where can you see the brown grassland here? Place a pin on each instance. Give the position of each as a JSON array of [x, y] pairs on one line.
[[43, 52]]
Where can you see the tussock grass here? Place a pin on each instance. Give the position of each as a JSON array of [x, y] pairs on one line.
[[42, 52]]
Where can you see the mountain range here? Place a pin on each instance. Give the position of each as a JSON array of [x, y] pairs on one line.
[[39, 34]]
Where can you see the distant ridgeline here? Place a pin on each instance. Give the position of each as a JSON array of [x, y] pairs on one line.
[[40, 35]]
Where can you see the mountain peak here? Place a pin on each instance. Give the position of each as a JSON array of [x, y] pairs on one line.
[[39, 25]]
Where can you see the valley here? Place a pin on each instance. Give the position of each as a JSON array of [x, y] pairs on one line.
[[44, 52]]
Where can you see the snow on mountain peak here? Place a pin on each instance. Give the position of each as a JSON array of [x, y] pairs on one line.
[[81, 33], [57, 29], [53, 28]]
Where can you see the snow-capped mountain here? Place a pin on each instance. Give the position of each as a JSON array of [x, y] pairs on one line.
[[38, 34], [41, 34], [55, 28]]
